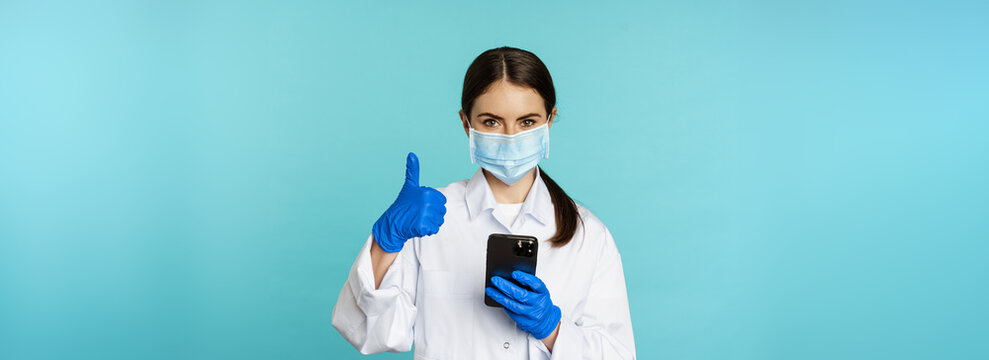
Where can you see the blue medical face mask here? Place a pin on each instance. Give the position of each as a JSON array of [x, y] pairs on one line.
[[509, 157]]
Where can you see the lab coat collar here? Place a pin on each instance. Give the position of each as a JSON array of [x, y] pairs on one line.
[[480, 198]]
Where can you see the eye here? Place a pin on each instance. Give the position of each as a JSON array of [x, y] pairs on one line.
[[528, 122], [490, 122]]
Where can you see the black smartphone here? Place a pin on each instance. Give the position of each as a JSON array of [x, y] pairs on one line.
[[507, 253]]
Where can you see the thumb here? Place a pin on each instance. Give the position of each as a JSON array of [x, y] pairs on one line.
[[412, 170]]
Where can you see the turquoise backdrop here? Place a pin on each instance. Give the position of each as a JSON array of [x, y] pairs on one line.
[[784, 179]]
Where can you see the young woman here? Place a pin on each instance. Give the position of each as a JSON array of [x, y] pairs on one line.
[[419, 279]]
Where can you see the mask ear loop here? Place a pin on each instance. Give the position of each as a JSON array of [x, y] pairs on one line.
[[470, 141], [548, 119]]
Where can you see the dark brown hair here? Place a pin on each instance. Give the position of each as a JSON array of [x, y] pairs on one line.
[[523, 68]]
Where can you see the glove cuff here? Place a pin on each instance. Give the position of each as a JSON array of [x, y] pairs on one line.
[[384, 239], [547, 327]]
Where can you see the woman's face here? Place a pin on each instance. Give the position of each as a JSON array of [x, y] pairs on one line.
[[506, 108]]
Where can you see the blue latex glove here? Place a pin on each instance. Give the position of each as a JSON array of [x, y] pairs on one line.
[[532, 310], [418, 211]]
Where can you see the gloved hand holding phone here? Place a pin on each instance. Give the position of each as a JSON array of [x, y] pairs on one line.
[[533, 310], [418, 211]]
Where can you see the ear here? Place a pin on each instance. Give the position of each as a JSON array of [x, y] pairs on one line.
[[549, 125], [463, 121]]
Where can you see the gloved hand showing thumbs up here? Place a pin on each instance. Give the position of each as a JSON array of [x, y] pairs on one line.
[[418, 211]]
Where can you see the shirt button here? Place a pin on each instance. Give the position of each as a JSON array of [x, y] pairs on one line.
[[506, 344]]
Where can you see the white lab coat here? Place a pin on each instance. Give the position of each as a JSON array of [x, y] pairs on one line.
[[433, 294]]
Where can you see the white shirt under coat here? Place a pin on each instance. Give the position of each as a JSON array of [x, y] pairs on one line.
[[433, 294]]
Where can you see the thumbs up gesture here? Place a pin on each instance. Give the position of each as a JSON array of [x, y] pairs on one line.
[[418, 211]]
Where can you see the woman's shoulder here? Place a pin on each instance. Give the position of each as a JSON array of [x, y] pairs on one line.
[[594, 230], [454, 190], [589, 218]]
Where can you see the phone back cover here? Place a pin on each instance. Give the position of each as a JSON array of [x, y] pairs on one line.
[[502, 260]]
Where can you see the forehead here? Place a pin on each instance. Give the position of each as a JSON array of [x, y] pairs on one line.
[[507, 100]]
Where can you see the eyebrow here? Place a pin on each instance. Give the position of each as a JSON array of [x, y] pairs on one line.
[[500, 118]]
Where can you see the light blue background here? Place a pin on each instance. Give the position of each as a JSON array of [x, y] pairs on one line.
[[785, 180]]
